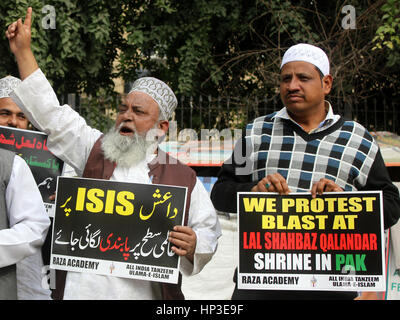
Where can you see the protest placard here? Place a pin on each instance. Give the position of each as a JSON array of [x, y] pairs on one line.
[[32, 147], [294, 242], [116, 228]]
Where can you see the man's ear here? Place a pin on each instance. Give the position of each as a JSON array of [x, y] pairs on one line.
[[327, 83], [163, 125], [159, 133]]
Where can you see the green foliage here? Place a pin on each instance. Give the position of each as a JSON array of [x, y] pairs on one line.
[[78, 54], [388, 34], [99, 110], [208, 46], [218, 48], [234, 47]]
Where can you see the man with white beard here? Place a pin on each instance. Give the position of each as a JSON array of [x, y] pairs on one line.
[[126, 150], [126, 153]]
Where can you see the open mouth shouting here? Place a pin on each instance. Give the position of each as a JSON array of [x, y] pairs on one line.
[[126, 130]]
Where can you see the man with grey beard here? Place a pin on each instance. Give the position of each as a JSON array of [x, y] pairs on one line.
[[124, 150], [128, 153]]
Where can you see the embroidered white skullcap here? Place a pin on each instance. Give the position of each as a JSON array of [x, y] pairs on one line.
[[308, 53], [159, 91], [7, 85]]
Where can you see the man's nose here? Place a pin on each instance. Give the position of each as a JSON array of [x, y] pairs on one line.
[[12, 121], [128, 115], [294, 84]]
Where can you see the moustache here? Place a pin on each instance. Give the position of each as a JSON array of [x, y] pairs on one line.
[[292, 94], [124, 128]]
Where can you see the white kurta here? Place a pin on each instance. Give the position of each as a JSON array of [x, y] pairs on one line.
[[31, 279], [71, 139], [27, 216], [29, 222]]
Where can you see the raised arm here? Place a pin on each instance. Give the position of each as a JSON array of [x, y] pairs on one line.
[[69, 136], [19, 37]]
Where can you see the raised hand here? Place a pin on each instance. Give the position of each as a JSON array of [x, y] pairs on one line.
[[19, 34], [19, 38]]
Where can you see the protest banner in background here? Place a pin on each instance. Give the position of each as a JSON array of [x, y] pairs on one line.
[[293, 242], [115, 228], [392, 271], [32, 147]]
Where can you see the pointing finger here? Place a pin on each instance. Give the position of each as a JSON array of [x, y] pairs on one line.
[[28, 17]]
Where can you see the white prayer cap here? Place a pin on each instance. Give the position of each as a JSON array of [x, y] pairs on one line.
[[160, 92], [7, 85], [308, 53]]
